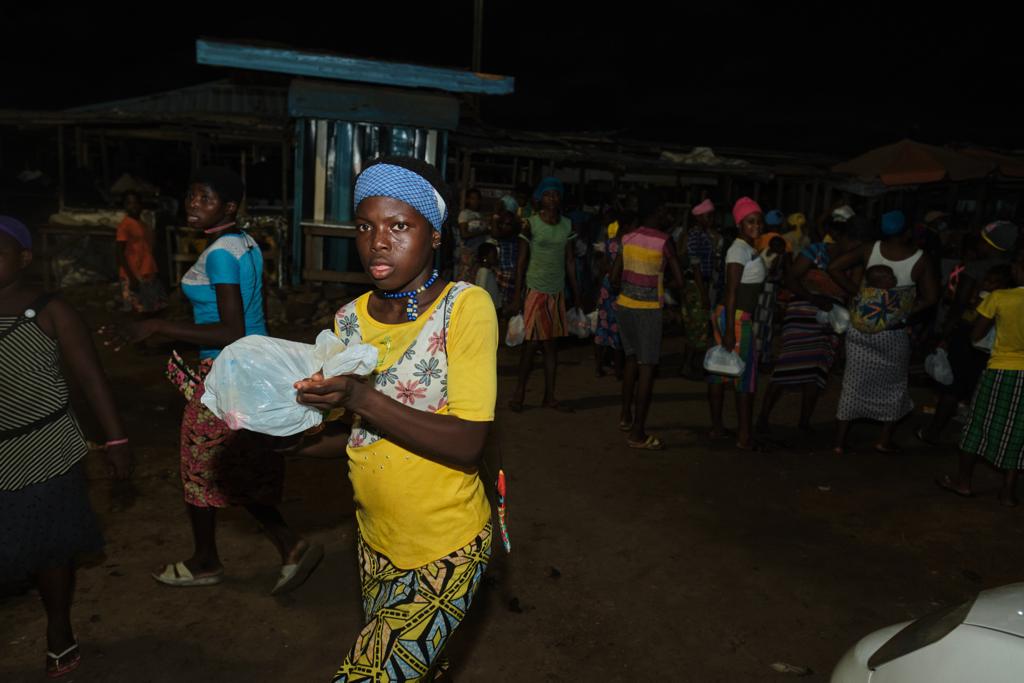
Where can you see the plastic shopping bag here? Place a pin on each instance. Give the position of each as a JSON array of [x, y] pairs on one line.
[[719, 361], [250, 385], [592, 320], [938, 368], [987, 342], [516, 331], [579, 326], [838, 318]]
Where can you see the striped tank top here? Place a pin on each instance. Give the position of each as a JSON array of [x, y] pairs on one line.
[[39, 437], [644, 255]]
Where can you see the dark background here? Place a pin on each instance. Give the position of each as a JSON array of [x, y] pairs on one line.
[[784, 76]]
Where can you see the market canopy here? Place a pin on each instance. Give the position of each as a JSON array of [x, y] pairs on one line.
[[913, 163], [1009, 166]]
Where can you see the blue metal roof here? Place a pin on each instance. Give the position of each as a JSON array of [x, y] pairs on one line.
[[338, 67], [361, 103]]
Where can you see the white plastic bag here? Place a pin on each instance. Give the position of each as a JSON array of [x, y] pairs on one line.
[[579, 326], [592, 320], [987, 342], [250, 385], [838, 318], [516, 330], [337, 359], [719, 361], [938, 368]]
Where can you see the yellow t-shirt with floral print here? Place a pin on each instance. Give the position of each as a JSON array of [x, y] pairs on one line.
[[411, 509]]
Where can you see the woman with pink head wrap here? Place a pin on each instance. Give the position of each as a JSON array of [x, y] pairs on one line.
[[745, 273]]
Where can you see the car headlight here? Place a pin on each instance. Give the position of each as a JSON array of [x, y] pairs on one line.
[[925, 631]]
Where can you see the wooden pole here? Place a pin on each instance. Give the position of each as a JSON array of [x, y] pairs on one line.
[[105, 162], [60, 168], [814, 197], [478, 33]]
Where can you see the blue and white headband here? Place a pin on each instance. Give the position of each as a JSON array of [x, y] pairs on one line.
[[388, 180]]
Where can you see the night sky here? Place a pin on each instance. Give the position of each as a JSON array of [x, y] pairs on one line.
[[782, 76]]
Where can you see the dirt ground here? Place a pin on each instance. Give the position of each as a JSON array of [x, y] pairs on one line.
[[696, 563]]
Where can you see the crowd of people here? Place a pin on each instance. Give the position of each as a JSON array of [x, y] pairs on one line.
[[769, 287], [785, 298]]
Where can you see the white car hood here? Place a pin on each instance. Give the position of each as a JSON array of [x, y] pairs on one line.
[[1000, 609]]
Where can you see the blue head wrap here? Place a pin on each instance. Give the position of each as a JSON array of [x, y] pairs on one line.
[[893, 223], [388, 180], [510, 203], [774, 217], [16, 229], [549, 183]]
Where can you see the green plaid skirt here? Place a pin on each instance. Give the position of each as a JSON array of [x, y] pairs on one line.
[[995, 429]]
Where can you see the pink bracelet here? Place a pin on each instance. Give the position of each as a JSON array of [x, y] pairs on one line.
[[115, 442]]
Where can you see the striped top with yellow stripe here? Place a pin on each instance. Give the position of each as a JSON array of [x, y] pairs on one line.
[[645, 251]]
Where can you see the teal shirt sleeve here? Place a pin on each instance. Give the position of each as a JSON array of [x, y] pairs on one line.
[[222, 268]]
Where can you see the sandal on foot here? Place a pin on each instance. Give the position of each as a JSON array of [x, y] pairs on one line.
[[294, 575], [945, 483], [178, 574], [63, 663], [892, 450], [920, 434], [625, 426], [754, 447], [560, 407], [651, 443]]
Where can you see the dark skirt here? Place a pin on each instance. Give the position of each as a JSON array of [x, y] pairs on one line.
[[46, 525], [967, 363]]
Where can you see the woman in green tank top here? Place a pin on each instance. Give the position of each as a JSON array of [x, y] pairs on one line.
[[545, 259]]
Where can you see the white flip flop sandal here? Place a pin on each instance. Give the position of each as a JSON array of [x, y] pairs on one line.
[[177, 574], [294, 575], [64, 663]]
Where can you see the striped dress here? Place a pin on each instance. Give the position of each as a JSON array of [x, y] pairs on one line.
[[808, 347], [39, 437], [45, 515]]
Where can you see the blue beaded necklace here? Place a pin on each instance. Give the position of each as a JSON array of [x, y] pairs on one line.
[[412, 307]]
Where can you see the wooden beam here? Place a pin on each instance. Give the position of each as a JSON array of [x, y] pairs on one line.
[[337, 67], [320, 173], [297, 199], [60, 168]]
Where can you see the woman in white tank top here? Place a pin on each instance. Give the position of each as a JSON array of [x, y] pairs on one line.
[[875, 381], [903, 269]]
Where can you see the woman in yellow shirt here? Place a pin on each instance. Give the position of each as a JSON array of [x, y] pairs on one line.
[[419, 427], [995, 428]]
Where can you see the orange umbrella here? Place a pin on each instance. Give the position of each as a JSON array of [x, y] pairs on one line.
[[912, 163]]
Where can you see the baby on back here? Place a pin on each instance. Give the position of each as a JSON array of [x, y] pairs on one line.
[[880, 277], [881, 304]]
